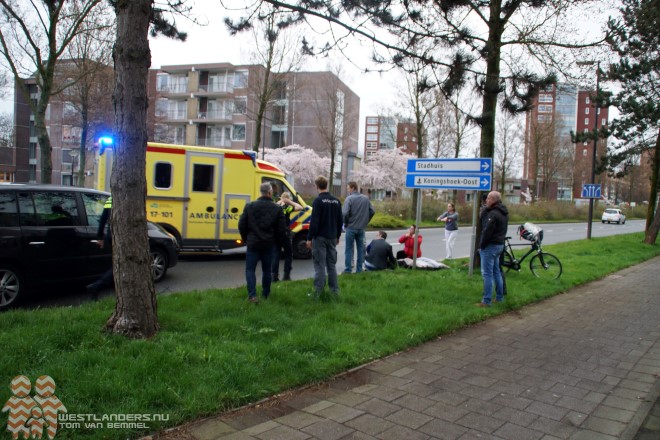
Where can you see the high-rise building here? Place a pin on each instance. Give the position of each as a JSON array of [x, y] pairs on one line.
[[554, 166], [381, 132]]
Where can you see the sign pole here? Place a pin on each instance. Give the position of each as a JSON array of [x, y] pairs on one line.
[[418, 218], [474, 232]]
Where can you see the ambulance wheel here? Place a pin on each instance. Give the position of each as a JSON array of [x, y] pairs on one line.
[[300, 250]]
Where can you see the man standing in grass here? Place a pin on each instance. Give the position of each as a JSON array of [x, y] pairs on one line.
[[494, 221], [323, 237], [357, 213], [262, 227]]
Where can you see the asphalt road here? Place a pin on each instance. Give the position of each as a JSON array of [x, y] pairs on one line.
[[202, 271]]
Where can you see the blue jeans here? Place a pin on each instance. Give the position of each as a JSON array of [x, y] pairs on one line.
[[252, 257], [490, 271], [324, 256], [354, 236]]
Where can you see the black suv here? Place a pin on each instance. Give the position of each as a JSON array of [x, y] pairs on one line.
[[48, 235]]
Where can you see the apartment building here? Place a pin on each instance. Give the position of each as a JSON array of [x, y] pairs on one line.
[[216, 105], [64, 126], [555, 167], [381, 132]]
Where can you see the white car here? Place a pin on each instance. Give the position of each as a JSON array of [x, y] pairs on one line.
[[614, 215]]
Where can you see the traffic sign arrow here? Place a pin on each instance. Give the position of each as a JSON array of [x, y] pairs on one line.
[[449, 181], [458, 166]]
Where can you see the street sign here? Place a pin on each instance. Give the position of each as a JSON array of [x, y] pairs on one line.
[[590, 191], [449, 166], [476, 182]]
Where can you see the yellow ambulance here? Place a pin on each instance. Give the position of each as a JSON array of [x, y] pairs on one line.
[[198, 194]]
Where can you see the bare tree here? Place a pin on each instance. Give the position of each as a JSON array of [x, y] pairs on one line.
[[33, 37], [87, 76], [6, 130], [551, 153], [508, 146], [334, 121], [278, 52]]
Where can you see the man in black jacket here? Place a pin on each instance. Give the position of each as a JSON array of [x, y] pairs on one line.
[[494, 223], [323, 237], [379, 254], [262, 227]]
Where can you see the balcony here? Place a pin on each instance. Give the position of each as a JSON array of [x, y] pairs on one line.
[[172, 115], [213, 142], [215, 115], [173, 89], [218, 89]]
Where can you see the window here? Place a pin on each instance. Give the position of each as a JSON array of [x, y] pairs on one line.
[[372, 145], [372, 137], [603, 122], [69, 110], [372, 129], [586, 111], [586, 121], [545, 109], [544, 118], [203, 177], [587, 100], [240, 105], [372, 121], [545, 98], [241, 78], [162, 80], [584, 151], [414, 139], [94, 207], [161, 107], [278, 116], [279, 90], [48, 209], [162, 175], [238, 132], [8, 210]]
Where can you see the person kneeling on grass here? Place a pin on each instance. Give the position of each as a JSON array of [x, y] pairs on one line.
[[379, 254]]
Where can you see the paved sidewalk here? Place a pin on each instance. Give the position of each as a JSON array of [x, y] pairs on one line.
[[581, 365]]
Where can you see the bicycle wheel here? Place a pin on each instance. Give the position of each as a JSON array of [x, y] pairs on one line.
[[506, 261], [545, 266]]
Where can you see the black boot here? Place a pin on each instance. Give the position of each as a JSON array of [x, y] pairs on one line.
[[286, 277], [275, 278]]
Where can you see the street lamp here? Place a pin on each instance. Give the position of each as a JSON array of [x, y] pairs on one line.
[[593, 155]]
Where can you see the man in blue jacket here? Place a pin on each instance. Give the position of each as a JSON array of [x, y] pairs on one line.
[[323, 237], [357, 212]]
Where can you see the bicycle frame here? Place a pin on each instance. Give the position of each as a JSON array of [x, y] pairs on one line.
[[515, 262]]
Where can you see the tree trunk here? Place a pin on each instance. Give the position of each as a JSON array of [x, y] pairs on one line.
[[135, 311], [489, 103], [653, 214]]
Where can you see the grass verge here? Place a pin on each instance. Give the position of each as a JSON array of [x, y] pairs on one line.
[[215, 351]]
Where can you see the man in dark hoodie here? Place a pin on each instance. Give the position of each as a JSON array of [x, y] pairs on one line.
[[494, 224], [323, 238]]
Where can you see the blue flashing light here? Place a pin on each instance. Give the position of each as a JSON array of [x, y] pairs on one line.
[[106, 141]]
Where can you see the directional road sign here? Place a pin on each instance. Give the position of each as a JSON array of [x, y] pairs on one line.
[[476, 182], [450, 166], [590, 191]]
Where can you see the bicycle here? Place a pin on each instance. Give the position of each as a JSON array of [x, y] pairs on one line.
[[543, 264]]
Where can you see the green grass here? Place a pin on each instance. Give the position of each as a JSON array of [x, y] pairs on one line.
[[216, 352]]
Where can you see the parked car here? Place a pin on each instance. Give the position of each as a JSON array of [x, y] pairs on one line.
[[48, 235], [613, 215]]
